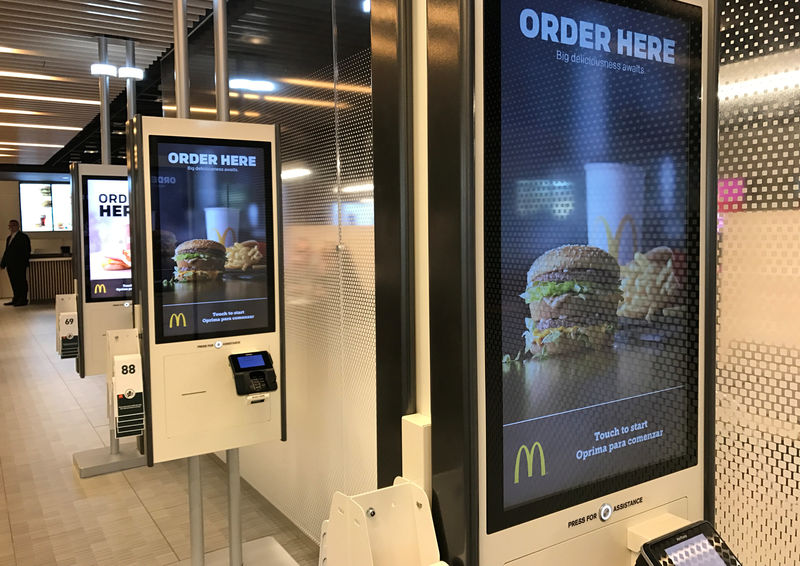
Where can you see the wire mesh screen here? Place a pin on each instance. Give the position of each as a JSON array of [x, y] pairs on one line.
[[758, 304]]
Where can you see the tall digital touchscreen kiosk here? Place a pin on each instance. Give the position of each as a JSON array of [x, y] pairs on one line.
[[592, 283], [209, 286], [103, 252]]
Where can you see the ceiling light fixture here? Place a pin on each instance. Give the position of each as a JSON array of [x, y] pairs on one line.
[[295, 173], [130, 73], [33, 76], [49, 98], [40, 126], [251, 85], [200, 110], [22, 112], [25, 144], [103, 70], [105, 7], [14, 51], [760, 85], [366, 6], [120, 16], [303, 101], [324, 84], [6, 155]]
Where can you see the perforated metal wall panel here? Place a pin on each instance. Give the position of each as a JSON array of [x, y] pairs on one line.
[[758, 302]]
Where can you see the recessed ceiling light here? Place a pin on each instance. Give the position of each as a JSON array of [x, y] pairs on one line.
[[34, 76], [8, 149], [200, 110], [15, 51], [120, 16], [40, 126], [303, 101], [6, 155], [255, 39], [366, 6], [25, 144], [324, 84], [22, 112], [106, 7], [49, 98]]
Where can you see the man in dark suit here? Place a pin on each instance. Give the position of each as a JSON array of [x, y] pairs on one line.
[[15, 259]]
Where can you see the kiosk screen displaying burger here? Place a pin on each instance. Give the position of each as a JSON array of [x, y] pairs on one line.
[[592, 249], [212, 238], [107, 239]]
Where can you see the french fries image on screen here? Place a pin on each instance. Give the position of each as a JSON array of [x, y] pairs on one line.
[[243, 255], [650, 285]]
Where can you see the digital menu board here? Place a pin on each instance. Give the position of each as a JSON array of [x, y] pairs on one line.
[[36, 207], [107, 238], [62, 206], [45, 207], [213, 259], [592, 249]]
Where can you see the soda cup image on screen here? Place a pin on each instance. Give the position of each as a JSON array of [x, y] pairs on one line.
[[222, 224]]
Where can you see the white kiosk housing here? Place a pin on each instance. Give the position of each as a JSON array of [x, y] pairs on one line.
[[103, 265], [208, 282], [585, 197]]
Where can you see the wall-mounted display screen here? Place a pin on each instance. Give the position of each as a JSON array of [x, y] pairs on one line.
[[36, 207], [62, 207], [213, 259], [107, 238], [592, 249]]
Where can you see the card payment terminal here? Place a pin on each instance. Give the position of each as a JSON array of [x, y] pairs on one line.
[[253, 373], [695, 545]]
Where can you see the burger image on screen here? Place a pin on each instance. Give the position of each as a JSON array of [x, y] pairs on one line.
[[199, 260], [573, 293]]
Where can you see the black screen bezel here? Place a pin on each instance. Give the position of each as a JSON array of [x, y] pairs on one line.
[[656, 551], [89, 296], [268, 147], [497, 516], [234, 360]]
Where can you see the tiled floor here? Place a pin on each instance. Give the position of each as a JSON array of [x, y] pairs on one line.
[[48, 515]]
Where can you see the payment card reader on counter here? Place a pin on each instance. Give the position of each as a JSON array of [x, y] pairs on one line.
[[254, 375], [697, 544]]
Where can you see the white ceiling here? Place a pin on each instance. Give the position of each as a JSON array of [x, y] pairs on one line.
[[56, 41]]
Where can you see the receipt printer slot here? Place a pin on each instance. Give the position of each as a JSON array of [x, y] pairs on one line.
[[253, 373]]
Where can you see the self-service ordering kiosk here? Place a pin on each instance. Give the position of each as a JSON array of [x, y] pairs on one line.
[[208, 282], [589, 218], [102, 265]]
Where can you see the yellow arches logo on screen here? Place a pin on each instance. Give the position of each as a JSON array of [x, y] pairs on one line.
[[100, 289], [529, 453], [177, 319]]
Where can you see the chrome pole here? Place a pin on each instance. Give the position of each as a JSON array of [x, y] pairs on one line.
[[196, 512], [221, 59], [105, 115], [130, 83], [181, 58]]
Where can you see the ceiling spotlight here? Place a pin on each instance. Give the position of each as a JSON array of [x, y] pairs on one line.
[[130, 73], [365, 6], [103, 70]]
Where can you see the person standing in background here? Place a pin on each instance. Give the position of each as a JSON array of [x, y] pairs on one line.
[[15, 259]]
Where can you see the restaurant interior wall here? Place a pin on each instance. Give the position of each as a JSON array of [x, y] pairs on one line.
[[758, 295], [320, 66]]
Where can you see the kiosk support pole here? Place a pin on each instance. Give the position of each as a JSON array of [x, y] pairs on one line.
[[181, 58], [196, 512], [105, 159], [105, 115], [223, 115]]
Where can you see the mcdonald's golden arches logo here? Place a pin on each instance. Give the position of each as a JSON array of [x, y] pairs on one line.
[[221, 237], [100, 289], [178, 319], [529, 453]]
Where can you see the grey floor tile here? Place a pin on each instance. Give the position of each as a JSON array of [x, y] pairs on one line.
[[49, 516]]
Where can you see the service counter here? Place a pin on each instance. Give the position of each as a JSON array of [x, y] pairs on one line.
[[49, 275]]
